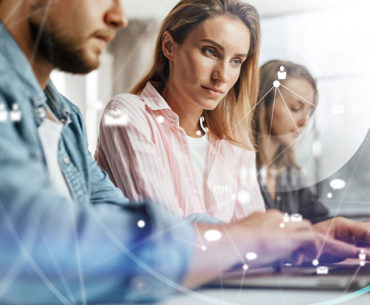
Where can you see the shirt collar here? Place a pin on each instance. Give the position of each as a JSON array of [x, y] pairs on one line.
[[13, 61], [154, 101], [152, 98], [57, 104]]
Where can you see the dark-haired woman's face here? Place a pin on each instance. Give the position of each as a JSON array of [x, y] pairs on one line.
[[289, 114], [208, 63]]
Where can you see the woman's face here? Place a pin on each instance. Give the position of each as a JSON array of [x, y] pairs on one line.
[[208, 63], [289, 114]]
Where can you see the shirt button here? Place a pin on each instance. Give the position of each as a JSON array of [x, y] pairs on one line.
[[41, 113], [66, 160]]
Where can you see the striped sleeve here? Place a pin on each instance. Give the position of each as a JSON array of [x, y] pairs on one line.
[[127, 151]]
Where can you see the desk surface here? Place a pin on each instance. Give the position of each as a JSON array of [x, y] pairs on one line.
[[346, 283], [270, 297]]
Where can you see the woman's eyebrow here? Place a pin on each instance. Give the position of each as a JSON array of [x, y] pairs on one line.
[[220, 46]]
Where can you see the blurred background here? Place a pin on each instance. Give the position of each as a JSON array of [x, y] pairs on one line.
[[331, 38]]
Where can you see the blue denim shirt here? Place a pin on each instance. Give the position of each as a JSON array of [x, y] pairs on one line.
[[90, 250]]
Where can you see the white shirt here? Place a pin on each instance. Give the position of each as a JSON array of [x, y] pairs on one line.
[[198, 148], [49, 132]]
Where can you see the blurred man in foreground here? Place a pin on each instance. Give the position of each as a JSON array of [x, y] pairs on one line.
[[67, 234]]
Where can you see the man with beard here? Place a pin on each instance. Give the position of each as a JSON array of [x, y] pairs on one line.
[[67, 234]]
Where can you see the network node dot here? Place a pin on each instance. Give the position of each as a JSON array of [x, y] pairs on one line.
[[276, 84], [160, 119], [212, 235], [251, 256], [243, 197], [141, 224]]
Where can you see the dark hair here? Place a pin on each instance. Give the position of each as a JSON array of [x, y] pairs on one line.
[[261, 123]]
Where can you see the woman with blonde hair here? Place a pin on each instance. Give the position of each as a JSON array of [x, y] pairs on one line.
[[280, 117], [183, 136]]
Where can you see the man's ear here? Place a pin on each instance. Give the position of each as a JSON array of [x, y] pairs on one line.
[[168, 45]]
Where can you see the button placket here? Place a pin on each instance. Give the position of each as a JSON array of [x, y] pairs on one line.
[[66, 160]]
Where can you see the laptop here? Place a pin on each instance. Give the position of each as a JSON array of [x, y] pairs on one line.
[[349, 275]]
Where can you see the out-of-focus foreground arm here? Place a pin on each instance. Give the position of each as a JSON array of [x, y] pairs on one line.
[[55, 251]]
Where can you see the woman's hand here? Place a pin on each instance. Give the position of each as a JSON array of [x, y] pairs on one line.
[[346, 230], [267, 235], [273, 239]]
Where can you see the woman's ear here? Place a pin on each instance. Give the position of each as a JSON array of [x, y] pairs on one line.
[[168, 45]]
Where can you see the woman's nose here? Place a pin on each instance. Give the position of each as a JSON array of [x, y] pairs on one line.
[[220, 72], [303, 118]]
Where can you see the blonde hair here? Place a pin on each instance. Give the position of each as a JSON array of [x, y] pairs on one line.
[[285, 157], [232, 118]]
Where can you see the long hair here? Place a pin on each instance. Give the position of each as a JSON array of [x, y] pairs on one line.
[[285, 157], [232, 118]]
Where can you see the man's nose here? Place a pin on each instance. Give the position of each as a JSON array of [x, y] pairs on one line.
[[116, 16]]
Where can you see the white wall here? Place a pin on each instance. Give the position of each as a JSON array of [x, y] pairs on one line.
[[333, 43]]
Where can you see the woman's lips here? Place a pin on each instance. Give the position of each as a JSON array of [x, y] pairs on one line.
[[213, 91]]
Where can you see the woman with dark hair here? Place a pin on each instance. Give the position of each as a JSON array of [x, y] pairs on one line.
[[280, 117]]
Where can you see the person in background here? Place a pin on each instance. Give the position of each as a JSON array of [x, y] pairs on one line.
[[280, 117], [187, 142], [68, 235]]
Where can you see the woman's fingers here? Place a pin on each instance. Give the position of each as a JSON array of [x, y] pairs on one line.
[[360, 232], [313, 245], [346, 230], [333, 250]]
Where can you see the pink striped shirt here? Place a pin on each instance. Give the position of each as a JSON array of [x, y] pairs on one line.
[[145, 152]]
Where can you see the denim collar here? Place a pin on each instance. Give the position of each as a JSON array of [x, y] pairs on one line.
[[57, 104], [13, 61]]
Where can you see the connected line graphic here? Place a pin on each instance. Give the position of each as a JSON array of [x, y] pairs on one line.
[[209, 238]]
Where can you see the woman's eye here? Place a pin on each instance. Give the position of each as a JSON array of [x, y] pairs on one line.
[[296, 108], [209, 51], [236, 62]]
